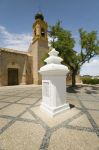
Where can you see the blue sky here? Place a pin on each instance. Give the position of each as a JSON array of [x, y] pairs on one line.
[[17, 16]]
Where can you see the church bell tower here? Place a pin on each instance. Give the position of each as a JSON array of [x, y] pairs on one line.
[[39, 46]]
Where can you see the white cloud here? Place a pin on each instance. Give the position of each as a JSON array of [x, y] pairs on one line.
[[92, 63], [91, 68], [13, 40]]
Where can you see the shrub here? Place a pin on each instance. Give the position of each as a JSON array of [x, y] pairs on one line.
[[88, 80]]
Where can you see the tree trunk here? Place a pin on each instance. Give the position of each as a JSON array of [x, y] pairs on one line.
[[74, 79]]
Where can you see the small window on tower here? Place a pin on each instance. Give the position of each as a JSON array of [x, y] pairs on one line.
[[42, 32]]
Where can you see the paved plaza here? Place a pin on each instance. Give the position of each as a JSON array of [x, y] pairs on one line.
[[23, 126]]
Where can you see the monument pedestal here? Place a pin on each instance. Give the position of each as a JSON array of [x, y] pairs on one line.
[[54, 85]]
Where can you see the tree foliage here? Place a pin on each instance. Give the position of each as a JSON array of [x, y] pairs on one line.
[[89, 45], [63, 42]]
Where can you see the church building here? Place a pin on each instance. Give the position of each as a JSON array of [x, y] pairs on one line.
[[18, 68]]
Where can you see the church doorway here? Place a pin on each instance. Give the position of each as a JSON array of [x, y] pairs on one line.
[[13, 76]]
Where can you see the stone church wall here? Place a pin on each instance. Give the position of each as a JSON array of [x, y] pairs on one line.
[[15, 61]]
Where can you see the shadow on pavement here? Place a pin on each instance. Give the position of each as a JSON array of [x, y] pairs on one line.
[[75, 89], [88, 89], [71, 106]]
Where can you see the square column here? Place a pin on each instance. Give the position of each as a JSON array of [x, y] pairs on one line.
[[53, 98]]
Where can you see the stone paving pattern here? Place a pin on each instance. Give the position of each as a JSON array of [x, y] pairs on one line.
[[23, 126]]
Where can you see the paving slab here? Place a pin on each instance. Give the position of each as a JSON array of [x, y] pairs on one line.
[[3, 122], [95, 115], [28, 100], [68, 139], [13, 110], [91, 105], [11, 99], [27, 115], [81, 121], [22, 136], [2, 104]]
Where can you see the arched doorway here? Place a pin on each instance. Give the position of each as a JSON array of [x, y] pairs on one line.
[[13, 76]]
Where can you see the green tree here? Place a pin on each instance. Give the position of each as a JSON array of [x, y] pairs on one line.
[[63, 42]]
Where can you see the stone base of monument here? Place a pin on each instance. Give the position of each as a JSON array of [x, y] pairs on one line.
[[53, 111]]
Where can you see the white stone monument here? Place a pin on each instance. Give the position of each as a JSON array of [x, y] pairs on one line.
[[54, 84]]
